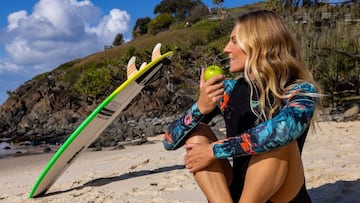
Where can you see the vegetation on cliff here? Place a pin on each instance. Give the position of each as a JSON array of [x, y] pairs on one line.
[[53, 103]]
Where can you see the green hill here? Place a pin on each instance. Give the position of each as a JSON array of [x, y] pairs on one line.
[[51, 105]]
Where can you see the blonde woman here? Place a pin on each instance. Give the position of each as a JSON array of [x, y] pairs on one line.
[[268, 113]]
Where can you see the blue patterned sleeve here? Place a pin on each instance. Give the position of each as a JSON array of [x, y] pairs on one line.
[[177, 131], [290, 123]]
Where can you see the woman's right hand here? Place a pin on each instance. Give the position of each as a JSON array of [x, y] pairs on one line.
[[211, 91]]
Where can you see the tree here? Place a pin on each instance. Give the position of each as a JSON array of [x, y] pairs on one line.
[[141, 27], [218, 3], [119, 40], [180, 9], [197, 13]]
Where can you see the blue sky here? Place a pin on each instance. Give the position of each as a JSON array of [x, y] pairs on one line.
[[38, 35]]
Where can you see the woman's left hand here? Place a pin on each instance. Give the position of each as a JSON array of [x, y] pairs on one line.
[[198, 156]]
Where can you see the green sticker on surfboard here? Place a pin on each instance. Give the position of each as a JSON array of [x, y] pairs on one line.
[[99, 119]]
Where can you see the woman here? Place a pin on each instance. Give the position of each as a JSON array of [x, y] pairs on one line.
[[267, 113]]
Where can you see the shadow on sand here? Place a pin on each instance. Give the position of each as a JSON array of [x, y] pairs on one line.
[[339, 192], [104, 181]]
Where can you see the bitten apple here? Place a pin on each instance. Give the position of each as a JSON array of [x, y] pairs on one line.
[[212, 71]]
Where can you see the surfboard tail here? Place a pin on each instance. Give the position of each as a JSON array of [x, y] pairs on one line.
[[131, 67]]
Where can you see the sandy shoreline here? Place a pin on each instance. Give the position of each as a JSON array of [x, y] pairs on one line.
[[148, 173]]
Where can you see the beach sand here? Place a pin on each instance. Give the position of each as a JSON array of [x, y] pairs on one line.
[[148, 173]]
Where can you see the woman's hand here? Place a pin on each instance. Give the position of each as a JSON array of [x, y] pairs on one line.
[[211, 91], [198, 156]]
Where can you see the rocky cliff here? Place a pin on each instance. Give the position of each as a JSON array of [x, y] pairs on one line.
[[43, 110]]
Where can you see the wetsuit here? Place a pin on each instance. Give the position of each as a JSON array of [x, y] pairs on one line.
[[244, 136]]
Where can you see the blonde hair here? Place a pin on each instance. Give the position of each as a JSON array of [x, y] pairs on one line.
[[274, 62]]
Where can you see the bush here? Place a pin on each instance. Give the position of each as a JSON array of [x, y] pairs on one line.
[[160, 23], [222, 29]]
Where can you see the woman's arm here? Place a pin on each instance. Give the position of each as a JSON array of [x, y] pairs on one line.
[[178, 129], [292, 120]]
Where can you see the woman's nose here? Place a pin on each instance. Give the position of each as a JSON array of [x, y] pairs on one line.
[[226, 49]]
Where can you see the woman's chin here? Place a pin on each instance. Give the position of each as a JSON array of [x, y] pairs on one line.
[[235, 70]]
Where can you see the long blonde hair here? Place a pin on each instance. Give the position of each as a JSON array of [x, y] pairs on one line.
[[274, 62]]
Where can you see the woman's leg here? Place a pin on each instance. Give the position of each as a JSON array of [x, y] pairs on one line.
[[215, 179], [295, 176], [276, 175]]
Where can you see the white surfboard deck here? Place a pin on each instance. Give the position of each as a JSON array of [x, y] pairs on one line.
[[99, 120]]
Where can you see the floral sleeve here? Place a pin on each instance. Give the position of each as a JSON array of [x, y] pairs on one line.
[[178, 130], [289, 124]]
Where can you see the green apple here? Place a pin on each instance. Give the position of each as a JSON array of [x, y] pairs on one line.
[[211, 71]]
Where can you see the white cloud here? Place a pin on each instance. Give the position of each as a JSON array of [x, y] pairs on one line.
[[59, 30], [6, 66], [116, 22], [14, 18]]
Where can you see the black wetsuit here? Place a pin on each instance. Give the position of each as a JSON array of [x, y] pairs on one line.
[[239, 117], [245, 137]]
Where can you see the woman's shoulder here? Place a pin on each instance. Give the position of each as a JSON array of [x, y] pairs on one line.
[[305, 87], [229, 81], [229, 84], [233, 81]]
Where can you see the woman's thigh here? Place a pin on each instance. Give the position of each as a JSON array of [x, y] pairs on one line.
[[295, 177], [269, 172]]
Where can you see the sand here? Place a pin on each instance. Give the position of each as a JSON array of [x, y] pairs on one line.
[[148, 173]]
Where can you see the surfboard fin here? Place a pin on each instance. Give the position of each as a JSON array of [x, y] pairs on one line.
[[156, 51], [131, 67], [142, 65]]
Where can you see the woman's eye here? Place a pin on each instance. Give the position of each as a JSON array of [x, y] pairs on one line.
[[233, 40]]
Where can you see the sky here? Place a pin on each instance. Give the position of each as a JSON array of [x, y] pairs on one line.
[[37, 36]]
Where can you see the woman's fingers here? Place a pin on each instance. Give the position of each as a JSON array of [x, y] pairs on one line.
[[198, 156], [211, 91]]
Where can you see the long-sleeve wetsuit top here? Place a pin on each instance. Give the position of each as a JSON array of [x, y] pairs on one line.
[[291, 122]]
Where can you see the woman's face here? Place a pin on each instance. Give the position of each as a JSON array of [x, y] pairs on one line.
[[236, 55]]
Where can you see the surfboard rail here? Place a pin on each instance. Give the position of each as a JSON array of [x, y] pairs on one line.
[[140, 76]]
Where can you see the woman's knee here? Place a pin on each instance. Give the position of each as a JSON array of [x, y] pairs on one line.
[[201, 134]]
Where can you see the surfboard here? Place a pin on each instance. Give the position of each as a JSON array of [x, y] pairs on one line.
[[99, 119]]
